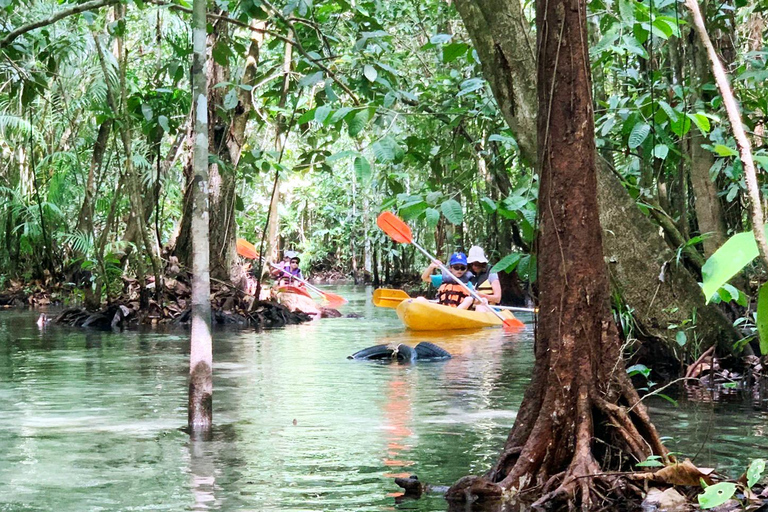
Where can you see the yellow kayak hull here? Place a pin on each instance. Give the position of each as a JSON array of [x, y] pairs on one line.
[[428, 316]]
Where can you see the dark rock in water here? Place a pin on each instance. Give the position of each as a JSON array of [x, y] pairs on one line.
[[414, 488], [353, 315], [424, 351], [114, 317], [329, 313]]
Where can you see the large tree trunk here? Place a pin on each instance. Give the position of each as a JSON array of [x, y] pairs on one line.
[[648, 277], [579, 400], [226, 132], [621, 219], [200, 411]]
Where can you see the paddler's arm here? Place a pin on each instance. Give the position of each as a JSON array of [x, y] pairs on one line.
[[426, 276], [495, 297]]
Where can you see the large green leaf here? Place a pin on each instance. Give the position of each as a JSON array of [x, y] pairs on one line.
[[715, 495], [432, 216], [638, 135], [452, 211], [370, 73], [356, 123], [762, 318], [727, 261], [755, 471], [507, 263], [362, 170]]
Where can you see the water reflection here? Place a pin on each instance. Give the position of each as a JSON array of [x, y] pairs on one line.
[[90, 420]]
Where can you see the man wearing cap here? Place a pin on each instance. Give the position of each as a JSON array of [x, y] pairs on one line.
[[449, 292], [485, 282]]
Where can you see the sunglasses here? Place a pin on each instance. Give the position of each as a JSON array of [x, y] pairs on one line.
[[458, 267]]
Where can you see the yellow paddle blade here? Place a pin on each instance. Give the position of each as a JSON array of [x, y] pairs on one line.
[[389, 298]]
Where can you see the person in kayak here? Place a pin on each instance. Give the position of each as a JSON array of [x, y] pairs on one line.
[[283, 265], [293, 270], [486, 283], [449, 292]]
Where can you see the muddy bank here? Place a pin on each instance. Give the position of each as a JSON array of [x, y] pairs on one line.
[[230, 305]]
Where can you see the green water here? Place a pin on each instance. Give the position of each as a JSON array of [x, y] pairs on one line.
[[91, 420]]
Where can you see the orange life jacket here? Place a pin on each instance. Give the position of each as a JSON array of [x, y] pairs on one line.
[[451, 294]]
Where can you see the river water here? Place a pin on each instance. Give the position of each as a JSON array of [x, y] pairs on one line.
[[91, 420]]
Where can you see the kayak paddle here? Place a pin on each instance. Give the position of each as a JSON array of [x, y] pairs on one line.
[[399, 231], [294, 289], [247, 250], [391, 298], [387, 298], [332, 299]]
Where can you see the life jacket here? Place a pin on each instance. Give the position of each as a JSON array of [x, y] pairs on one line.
[[482, 284], [288, 274], [451, 294]]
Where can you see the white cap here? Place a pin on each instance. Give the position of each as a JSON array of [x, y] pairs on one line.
[[476, 255], [290, 254]]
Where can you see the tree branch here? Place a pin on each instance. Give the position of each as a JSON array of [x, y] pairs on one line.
[[293, 42], [77, 9], [301, 49]]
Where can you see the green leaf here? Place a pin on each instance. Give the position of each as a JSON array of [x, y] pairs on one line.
[[322, 113], [432, 197], [359, 121], [362, 169], [231, 100], [727, 261], [470, 85], [163, 122], [432, 216], [638, 135], [651, 462], [639, 369], [507, 263], [725, 150], [453, 51], [310, 80], [701, 121], [370, 73], [340, 114], [755, 471], [488, 205], [681, 338], [762, 318], [761, 160], [452, 211], [412, 210], [307, 116], [661, 151], [146, 109], [715, 495]]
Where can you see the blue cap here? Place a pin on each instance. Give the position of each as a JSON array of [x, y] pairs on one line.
[[458, 258]]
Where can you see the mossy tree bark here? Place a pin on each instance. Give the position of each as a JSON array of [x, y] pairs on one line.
[[581, 418]]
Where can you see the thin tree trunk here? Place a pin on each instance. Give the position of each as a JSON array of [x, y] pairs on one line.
[[85, 219], [273, 243], [200, 416], [734, 116], [709, 213]]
